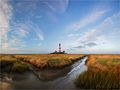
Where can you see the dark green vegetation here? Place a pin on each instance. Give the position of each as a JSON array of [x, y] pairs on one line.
[[20, 67], [13, 66], [9, 63]]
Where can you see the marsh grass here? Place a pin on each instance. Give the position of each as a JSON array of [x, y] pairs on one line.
[[13, 66], [58, 62], [106, 61], [95, 79], [9, 63], [116, 60], [103, 73], [50, 60], [41, 61], [20, 67]]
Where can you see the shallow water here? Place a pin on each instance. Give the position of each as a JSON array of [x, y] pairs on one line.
[[47, 79]]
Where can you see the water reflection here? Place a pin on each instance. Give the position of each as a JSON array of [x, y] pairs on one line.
[[50, 75], [20, 77]]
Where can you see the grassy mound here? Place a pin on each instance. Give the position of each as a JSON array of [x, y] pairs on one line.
[[9, 63], [20, 67]]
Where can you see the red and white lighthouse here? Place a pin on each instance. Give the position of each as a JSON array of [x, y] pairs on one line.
[[59, 47]]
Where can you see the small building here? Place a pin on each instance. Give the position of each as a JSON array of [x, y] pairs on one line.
[[59, 51]]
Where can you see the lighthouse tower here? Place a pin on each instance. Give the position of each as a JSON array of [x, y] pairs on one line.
[[59, 48]]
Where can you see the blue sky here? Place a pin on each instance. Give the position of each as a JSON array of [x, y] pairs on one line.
[[81, 26]]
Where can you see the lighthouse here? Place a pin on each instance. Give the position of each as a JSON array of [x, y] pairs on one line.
[[59, 50]]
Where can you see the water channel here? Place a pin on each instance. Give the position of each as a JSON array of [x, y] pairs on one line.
[[48, 79]]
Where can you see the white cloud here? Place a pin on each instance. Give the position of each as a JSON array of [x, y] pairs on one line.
[[16, 42], [17, 34], [91, 18], [22, 31], [35, 30], [12, 37], [72, 35], [87, 36], [5, 15], [86, 39], [40, 36], [105, 35], [46, 8], [58, 6]]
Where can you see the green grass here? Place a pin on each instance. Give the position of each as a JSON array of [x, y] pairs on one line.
[[53, 62], [94, 79], [20, 67], [116, 60], [107, 61], [14, 66], [102, 61]]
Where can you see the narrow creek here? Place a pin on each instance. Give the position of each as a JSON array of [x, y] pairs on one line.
[[48, 79]]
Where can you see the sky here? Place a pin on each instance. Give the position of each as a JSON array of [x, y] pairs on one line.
[[81, 26]]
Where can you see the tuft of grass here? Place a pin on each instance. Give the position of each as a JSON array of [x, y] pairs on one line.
[[97, 79], [20, 67], [58, 62], [116, 60], [9, 63], [52, 62]]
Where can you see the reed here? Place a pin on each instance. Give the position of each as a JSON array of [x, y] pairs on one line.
[[95, 79], [103, 73]]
